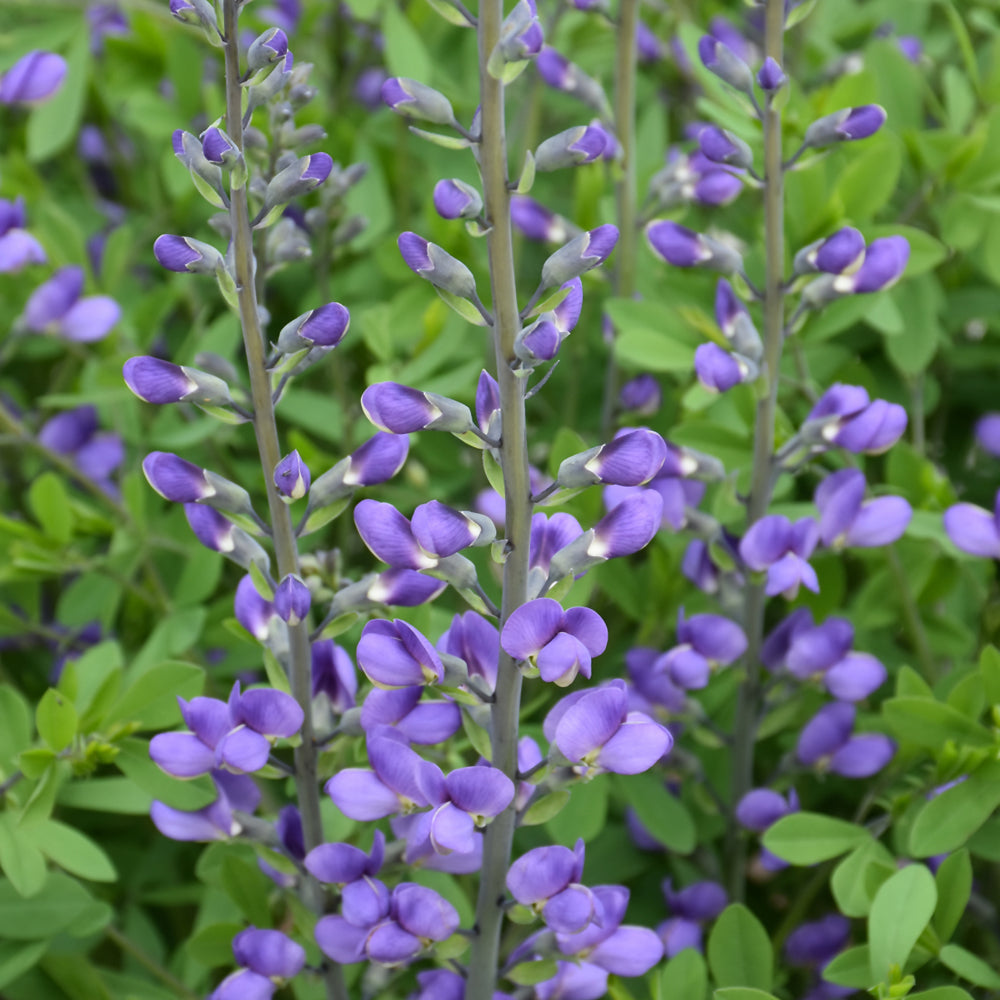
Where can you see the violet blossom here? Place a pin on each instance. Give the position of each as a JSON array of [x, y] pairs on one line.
[[775, 545], [56, 307]]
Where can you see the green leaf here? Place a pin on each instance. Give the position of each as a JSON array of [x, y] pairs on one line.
[[941, 993], [47, 913], [133, 761], [52, 126], [954, 884], [929, 724], [664, 815], [248, 887], [20, 858], [584, 815], [739, 950], [850, 968], [49, 503], [56, 720], [151, 699], [545, 808], [685, 976], [529, 973], [405, 52], [213, 945], [851, 879], [17, 957], [989, 667], [869, 178], [947, 821], [969, 966], [73, 851], [742, 993], [15, 733], [805, 838], [111, 795], [900, 911]]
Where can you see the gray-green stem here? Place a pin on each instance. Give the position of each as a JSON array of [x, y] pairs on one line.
[[625, 187], [266, 431], [484, 958], [762, 483]]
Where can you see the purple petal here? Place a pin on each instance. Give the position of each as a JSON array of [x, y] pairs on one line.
[[271, 712], [759, 808], [34, 77], [530, 627], [388, 535], [451, 830], [50, 302], [244, 985], [269, 953], [814, 649], [378, 459], [880, 522], [973, 530], [628, 528], [540, 874], [336, 864], [582, 981], [90, 319], [629, 951], [364, 902], [863, 756], [715, 637], [242, 750], [591, 722], [182, 755], [562, 658], [388, 944], [479, 791], [359, 794], [569, 911], [406, 772], [855, 677], [636, 747], [424, 913], [442, 530], [214, 822], [826, 732], [340, 941], [766, 541]]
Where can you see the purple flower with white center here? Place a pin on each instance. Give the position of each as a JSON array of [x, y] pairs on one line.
[[770, 76], [377, 460], [677, 492], [847, 520], [292, 477], [596, 732], [641, 395], [56, 307], [454, 199], [705, 642], [845, 125], [160, 382], [420, 721], [973, 529], [573, 147], [437, 531], [841, 253], [476, 641], [988, 434], [850, 420], [488, 404], [884, 264], [826, 742], [818, 941], [18, 248], [269, 953], [252, 611], [694, 177], [630, 526], [631, 458], [760, 808], [220, 534], [544, 873], [410, 97], [404, 588], [333, 674], [292, 599], [735, 322], [721, 146], [259, 717], [536, 222], [782, 549], [399, 409], [559, 644], [683, 247], [718, 370], [215, 821], [182, 253], [394, 654], [538, 342], [34, 77], [322, 327], [718, 58], [582, 254], [444, 531], [804, 649], [188, 755]]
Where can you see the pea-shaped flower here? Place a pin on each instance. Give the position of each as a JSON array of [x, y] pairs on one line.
[[974, 529], [394, 654], [782, 549], [558, 644]]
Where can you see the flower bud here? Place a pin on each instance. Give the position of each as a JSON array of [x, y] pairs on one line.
[[322, 327], [884, 264], [176, 479], [454, 199], [182, 253], [292, 599], [300, 178], [641, 395], [719, 59], [402, 410], [436, 265], [845, 125], [735, 322], [417, 100], [770, 77], [720, 146], [291, 477], [538, 342], [207, 175], [840, 253], [632, 458], [582, 144], [587, 251], [521, 35], [536, 222], [34, 77], [266, 49], [560, 73], [220, 534], [718, 370], [683, 247], [156, 381]]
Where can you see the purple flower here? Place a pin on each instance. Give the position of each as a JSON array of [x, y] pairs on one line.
[[252, 611], [648, 46], [641, 395], [341, 864], [782, 549], [973, 529], [160, 382], [536, 222], [719, 370], [846, 519], [543, 873], [18, 248], [454, 199], [410, 97], [988, 434], [705, 642], [631, 458], [56, 307], [476, 641], [292, 599], [816, 942], [683, 247], [244, 985], [333, 674], [846, 417], [299, 178], [176, 479], [575, 146], [721, 146], [884, 264], [419, 720], [292, 477], [760, 808], [34, 77], [585, 252], [399, 409], [596, 732], [322, 327], [770, 76], [266, 49], [182, 253], [699, 901], [720, 59], [827, 742], [395, 654], [559, 644], [74, 433], [269, 953], [845, 125]]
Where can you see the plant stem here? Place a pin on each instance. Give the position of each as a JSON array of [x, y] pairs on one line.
[[484, 959], [266, 431], [762, 483], [625, 187]]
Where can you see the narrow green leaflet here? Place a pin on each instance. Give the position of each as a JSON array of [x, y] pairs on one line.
[[49, 502], [850, 968], [56, 720], [851, 879], [48, 912], [900, 912], [20, 858], [947, 821], [16, 957], [954, 884], [583, 815], [685, 975], [929, 724], [151, 700], [970, 967], [805, 838], [73, 851], [739, 950], [664, 815], [742, 993]]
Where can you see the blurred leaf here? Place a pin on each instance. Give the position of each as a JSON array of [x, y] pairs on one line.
[[685, 976], [405, 52], [53, 124], [49, 502], [50, 911], [954, 884], [73, 851], [969, 966], [133, 761], [151, 700], [20, 858], [545, 808], [900, 912], [850, 880], [17, 957], [870, 176], [663, 814], [112, 795], [850, 968], [742, 993], [15, 733], [805, 838], [248, 887], [56, 720], [929, 724], [529, 973], [739, 950], [584, 814]]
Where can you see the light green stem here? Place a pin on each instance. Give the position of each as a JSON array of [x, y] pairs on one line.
[[762, 483], [484, 959], [283, 534]]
